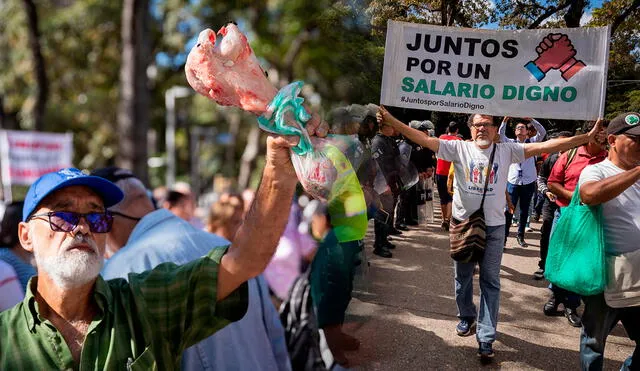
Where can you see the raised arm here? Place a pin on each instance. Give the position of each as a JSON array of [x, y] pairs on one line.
[[413, 135], [258, 237], [562, 144], [601, 191], [541, 132], [502, 130]]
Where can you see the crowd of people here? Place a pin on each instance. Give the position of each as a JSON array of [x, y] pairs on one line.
[[97, 271]]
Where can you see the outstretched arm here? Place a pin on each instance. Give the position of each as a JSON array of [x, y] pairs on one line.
[[541, 132], [562, 144], [413, 135]]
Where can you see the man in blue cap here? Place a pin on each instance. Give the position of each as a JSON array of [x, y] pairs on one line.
[[72, 319]]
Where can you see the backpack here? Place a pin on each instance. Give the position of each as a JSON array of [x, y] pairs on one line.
[[301, 327]]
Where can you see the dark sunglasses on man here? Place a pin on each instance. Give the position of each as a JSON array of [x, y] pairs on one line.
[[67, 221]]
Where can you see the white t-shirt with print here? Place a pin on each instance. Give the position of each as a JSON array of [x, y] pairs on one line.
[[470, 170], [621, 215]]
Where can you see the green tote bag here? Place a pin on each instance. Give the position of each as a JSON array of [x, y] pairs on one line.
[[576, 259]]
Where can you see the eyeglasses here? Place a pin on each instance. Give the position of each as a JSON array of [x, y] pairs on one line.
[[520, 127], [124, 215], [67, 221], [480, 124]]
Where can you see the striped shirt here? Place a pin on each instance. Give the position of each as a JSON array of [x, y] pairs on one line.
[[143, 324]]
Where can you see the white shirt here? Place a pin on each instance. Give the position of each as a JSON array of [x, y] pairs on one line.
[[470, 169], [10, 289], [524, 172], [621, 215]]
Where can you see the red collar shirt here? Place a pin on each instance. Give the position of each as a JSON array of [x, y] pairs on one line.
[[567, 176]]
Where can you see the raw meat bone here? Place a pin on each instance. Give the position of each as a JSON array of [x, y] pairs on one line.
[[229, 72]]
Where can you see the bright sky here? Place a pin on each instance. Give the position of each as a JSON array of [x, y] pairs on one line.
[[586, 17]]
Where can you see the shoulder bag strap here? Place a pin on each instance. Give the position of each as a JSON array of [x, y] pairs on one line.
[[486, 180]]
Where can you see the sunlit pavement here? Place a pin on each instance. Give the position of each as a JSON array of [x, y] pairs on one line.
[[404, 312]]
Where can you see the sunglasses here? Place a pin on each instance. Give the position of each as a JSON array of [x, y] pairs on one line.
[[124, 215], [67, 221]]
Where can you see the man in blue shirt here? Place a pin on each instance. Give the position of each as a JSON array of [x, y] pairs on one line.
[[142, 238]]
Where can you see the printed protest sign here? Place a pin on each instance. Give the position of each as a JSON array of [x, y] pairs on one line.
[[27, 155], [544, 73]]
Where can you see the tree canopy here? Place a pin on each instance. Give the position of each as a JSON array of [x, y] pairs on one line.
[[336, 47]]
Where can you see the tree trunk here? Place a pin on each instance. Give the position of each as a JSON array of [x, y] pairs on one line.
[[444, 13], [133, 116], [249, 157], [2, 115], [42, 84], [574, 13]]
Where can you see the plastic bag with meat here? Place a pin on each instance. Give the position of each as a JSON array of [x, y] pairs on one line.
[[228, 72]]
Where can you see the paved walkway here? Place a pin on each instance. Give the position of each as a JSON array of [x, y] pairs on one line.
[[405, 315]]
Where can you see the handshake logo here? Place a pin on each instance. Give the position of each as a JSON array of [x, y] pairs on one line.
[[555, 52]]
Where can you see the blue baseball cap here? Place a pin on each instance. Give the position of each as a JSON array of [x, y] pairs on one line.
[[51, 182]]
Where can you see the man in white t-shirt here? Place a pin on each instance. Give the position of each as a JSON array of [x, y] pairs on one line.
[[615, 184], [471, 160]]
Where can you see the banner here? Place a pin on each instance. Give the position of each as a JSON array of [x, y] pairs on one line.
[[26, 155], [543, 73]]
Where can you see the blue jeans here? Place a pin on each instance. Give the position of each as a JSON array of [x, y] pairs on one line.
[[598, 320], [568, 298], [521, 195], [489, 287]]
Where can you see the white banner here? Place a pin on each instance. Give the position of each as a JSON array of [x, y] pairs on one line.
[[27, 155], [543, 73]]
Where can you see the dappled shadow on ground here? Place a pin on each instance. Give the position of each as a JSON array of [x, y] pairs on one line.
[[405, 312], [527, 253]]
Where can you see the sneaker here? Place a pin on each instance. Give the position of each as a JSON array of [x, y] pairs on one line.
[[539, 274], [485, 351], [445, 225], [528, 229], [466, 327], [521, 242], [382, 252], [536, 218]]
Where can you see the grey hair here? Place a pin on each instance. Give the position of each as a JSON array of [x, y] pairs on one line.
[[128, 187], [473, 115]]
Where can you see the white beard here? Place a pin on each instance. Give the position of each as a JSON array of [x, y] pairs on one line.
[[483, 142], [72, 268]]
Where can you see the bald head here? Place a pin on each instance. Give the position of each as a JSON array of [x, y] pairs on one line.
[[136, 201]]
